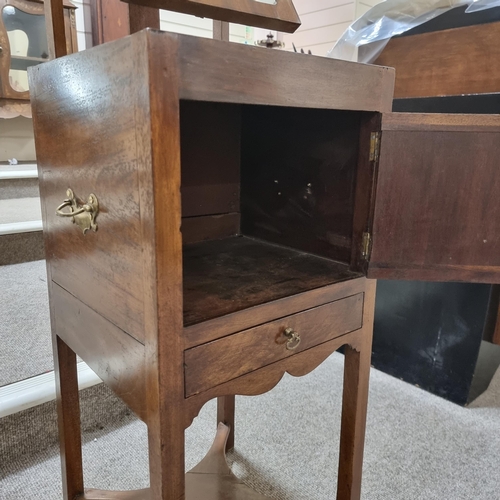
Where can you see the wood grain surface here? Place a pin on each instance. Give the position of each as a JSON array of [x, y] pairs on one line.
[[264, 379], [129, 299], [226, 276], [117, 358], [437, 195], [233, 356], [449, 62], [207, 331], [280, 16], [88, 141], [211, 70], [298, 178]]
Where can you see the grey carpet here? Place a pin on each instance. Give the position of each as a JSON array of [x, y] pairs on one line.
[[21, 247], [19, 188], [418, 446], [24, 322]]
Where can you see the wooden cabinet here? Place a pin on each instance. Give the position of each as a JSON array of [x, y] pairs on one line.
[[23, 43], [228, 203]]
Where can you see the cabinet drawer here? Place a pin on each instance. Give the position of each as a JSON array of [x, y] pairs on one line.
[[212, 364]]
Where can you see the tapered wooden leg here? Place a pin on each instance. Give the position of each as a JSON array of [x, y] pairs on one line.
[[166, 460], [355, 402], [68, 410], [352, 434], [225, 415]]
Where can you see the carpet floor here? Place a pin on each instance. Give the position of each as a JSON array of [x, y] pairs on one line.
[[418, 446], [24, 322]]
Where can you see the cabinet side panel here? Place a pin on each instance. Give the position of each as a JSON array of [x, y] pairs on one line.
[[437, 203], [89, 114]]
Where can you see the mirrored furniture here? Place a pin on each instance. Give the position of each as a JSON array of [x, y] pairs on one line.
[[23, 43]]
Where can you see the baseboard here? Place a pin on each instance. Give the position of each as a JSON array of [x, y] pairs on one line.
[[21, 227], [38, 390]]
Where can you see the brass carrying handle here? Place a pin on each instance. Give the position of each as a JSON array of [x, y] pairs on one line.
[[293, 339], [68, 203], [82, 215]]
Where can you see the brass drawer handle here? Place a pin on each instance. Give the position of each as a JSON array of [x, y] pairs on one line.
[[293, 339], [82, 215]]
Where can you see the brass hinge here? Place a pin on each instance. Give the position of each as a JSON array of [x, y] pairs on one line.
[[366, 245], [374, 146]]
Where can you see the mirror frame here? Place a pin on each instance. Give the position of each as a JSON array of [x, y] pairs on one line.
[[280, 16]]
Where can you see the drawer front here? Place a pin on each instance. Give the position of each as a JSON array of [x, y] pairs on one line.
[[212, 364]]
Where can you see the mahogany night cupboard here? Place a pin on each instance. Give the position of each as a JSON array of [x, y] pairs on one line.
[[211, 215]]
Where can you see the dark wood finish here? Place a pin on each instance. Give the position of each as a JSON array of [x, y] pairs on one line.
[[298, 178], [129, 298], [116, 357], [54, 21], [225, 325], [110, 20], [264, 379], [354, 404], [221, 31], [164, 347], [437, 194], [57, 28], [68, 411], [241, 74], [141, 17], [364, 196], [281, 17], [210, 227], [450, 62], [247, 351], [210, 153], [107, 265], [226, 276]]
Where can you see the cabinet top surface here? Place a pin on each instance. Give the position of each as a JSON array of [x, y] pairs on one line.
[[211, 70]]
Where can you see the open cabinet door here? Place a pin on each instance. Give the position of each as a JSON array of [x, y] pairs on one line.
[[436, 207]]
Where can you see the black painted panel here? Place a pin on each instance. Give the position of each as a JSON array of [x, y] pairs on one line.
[[429, 334]]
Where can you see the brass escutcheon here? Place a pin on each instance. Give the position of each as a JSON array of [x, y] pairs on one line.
[[82, 215], [293, 339]]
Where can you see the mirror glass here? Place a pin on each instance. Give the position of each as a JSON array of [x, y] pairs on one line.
[[28, 44]]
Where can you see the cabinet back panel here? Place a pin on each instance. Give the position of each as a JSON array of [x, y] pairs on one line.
[[298, 177]]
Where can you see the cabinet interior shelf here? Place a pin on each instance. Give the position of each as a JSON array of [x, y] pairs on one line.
[[229, 275]]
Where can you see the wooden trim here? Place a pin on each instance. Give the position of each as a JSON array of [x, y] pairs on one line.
[[141, 17], [95, 339], [210, 227], [211, 330], [263, 380], [450, 62], [468, 274], [221, 31], [56, 29], [280, 17], [440, 122], [277, 78], [164, 318]]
